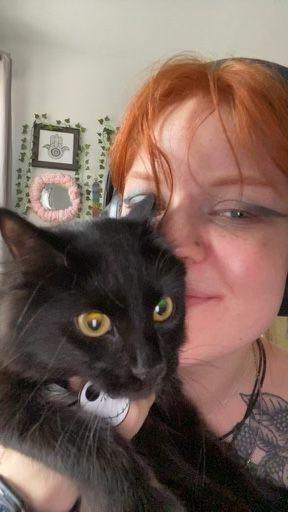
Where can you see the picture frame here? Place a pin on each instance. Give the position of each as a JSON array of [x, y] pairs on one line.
[[55, 147]]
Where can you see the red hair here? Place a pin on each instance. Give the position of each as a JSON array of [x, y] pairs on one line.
[[256, 96]]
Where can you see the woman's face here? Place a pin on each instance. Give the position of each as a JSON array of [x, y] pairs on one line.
[[233, 240]]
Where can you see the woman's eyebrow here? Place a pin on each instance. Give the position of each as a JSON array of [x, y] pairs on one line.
[[236, 180], [140, 175]]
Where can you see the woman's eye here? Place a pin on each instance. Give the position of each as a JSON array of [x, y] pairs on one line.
[[242, 211], [237, 214], [131, 200], [163, 310], [93, 323]]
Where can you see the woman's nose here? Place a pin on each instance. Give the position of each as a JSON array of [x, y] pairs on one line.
[[192, 249], [186, 229]]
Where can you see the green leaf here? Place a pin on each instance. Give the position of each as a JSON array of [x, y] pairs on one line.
[[103, 147], [58, 121], [101, 121], [100, 175], [99, 141], [24, 140], [107, 118], [86, 153], [82, 129], [101, 166], [88, 213], [108, 131], [23, 146], [78, 125], [88, 177], [88, 191], [17, 205], [87, 146], [86, 184], [36, 116], [99, 134], [67, 120], [88, 168], [44, 116], [87, 161]]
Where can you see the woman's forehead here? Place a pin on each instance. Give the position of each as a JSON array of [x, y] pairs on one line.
[[173, 134], [178, 125], [192, 137]]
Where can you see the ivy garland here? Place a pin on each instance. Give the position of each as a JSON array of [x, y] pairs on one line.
[[89, 182], [94, 185], [24, 170]]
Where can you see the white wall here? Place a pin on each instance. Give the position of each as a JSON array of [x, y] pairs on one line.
[[85, 58]]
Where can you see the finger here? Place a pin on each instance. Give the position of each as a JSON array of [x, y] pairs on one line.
[[137, 414], [40, 487]]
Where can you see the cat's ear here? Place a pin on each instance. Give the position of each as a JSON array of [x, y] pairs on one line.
[[143, 210], [25, 241]]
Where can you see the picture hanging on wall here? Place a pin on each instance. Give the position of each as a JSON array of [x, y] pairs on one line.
[[55, 147]]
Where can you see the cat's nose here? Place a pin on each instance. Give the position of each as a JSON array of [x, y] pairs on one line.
[[148, 373]]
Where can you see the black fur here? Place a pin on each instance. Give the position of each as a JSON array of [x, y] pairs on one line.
[[122, 268]]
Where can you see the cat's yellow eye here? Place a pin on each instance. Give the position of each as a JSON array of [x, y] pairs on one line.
[[93, 323], [163, 310]]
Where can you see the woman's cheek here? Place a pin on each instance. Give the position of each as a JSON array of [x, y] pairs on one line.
[[258, 276]]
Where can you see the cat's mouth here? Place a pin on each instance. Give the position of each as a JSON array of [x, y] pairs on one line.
[[138, 390]]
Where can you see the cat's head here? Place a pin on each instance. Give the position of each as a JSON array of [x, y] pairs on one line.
[[99, 299]]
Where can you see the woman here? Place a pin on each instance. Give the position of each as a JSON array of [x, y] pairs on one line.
[[211, 141]]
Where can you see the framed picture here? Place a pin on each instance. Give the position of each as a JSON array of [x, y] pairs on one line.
[[55, 147]]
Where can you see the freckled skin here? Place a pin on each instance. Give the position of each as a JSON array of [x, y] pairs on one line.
[[225, 257]]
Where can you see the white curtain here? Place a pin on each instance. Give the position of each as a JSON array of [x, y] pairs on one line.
[[5, 130], [5, 140]]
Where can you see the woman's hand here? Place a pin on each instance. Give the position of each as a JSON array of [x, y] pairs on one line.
[[47, 491], [137, 414], [42, 489]]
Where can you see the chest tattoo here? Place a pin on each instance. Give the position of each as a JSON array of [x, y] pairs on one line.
[[262, 441]]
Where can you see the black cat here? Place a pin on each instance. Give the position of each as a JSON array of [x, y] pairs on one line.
[[103, 300]]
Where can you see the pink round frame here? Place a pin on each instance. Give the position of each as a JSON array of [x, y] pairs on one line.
[[36, 187]]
